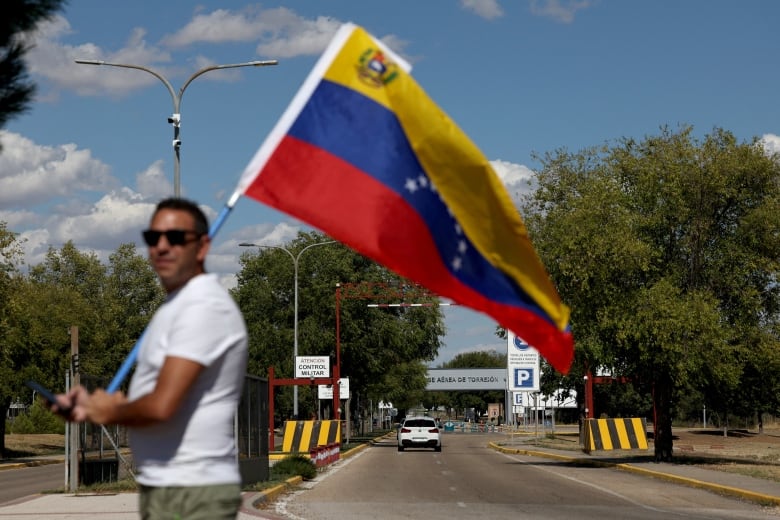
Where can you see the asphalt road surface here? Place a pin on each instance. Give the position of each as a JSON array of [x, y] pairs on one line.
[[16, 483], [469, 480]]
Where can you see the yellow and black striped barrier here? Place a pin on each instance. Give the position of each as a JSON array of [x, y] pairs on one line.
[[614, 434], [302, 436]]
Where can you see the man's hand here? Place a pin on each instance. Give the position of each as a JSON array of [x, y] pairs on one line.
[[99, 407], [102, 407], [71, 405]]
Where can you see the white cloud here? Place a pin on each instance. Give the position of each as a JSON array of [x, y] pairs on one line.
[[487, 9], [152, 182], [276, 235], [280, 32], [559, 10], [224, 258], [223, 26], [518, 179], [54, 194], [31, 173], [20, 219], [116, 218], [100, 228], [771, 143], [303, 37], [54, 60]]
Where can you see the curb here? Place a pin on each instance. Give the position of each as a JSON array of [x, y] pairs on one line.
[[269, 495], [29, 464], [717, 488], [691, 482], [353, 451]]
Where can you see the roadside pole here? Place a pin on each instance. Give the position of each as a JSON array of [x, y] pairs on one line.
[[73, 438], [67, 436]]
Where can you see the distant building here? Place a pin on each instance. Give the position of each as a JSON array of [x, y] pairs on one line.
[[16, 409]]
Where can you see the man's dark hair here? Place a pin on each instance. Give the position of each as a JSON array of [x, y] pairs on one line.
[[201, 223]]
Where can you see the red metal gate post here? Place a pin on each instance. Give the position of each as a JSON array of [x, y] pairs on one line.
[[336, 369], [589, 412], [271, 408]]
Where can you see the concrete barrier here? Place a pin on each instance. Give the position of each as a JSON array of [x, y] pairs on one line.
[[614, 434], [302, 436]]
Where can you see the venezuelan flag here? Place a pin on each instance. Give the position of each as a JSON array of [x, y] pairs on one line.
[[364, 155]]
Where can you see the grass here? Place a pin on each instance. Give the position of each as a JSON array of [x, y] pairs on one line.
[[762, 472], [18, 445], [753, 460]]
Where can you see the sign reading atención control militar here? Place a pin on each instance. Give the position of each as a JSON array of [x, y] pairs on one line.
[[312, 366]]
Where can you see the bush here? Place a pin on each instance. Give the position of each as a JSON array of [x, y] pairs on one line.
[[20, 424], [294, 465], [38, 419]]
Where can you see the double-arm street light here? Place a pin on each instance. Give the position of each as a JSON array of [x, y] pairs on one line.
[[175, 118], [295, 259]]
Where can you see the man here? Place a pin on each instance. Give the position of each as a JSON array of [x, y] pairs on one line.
[[188, 381]]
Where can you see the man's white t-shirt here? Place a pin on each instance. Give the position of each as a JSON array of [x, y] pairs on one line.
[[196, 447]]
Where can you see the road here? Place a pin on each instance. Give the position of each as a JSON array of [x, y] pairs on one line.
[[467, 480], [16, 483]]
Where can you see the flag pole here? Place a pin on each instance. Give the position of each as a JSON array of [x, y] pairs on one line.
[[129, 361]]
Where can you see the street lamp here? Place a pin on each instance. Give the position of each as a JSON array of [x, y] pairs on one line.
[[295, 259], [175, 118]]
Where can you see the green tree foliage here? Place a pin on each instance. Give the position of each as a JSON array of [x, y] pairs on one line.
[[464, 400], [132, 294], [38, 419], [19, 17], [383, 350], [79, 280], [110, 305], [403, 384], [667, 251], [10, 280]]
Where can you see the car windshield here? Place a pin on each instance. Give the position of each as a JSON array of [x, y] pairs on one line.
[[420, 423]]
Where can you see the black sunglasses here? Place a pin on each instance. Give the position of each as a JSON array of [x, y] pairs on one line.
[[175, 237]]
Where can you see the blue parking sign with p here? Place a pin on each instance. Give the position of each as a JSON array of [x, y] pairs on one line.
[[524, 378]]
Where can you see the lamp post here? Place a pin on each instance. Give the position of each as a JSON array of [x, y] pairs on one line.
[[175, 118], [295, 259]]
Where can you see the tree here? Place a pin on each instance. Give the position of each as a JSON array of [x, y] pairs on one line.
[[667, 251], [80, 277], [111, 305], [132, 294], [19, 17], [477, 399], [382, 350], [10, 279]]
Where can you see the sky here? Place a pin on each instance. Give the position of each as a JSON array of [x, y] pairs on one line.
[[93, 155]]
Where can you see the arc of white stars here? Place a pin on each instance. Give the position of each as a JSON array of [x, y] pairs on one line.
[[412, 185]]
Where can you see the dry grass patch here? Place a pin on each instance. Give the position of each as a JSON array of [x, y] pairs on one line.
[[30, 445]]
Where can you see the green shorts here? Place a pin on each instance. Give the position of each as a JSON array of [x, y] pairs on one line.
[[218, 502]]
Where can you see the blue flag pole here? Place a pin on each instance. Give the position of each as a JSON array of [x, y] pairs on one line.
[[129, 361]]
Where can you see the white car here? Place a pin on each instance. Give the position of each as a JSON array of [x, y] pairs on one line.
[[419, 432]]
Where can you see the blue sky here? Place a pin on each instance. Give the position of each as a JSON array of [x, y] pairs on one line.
[[90, 159]]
